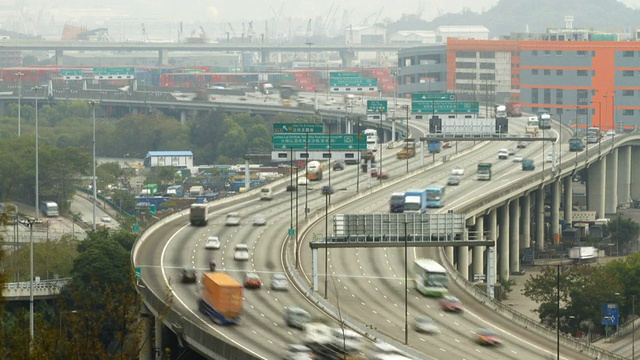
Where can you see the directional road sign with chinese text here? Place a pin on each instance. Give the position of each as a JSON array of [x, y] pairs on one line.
[[316, 142], [377, 106], [432, 96], [297, 128]]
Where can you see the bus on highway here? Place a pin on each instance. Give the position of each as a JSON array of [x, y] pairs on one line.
[[49, 208], [435, 196], [372, 139], [314, 170], [430, 277], [593, 135]]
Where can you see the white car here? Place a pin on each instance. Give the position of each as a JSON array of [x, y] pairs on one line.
[[425, 324], [259, 220], [233, 219], [503, 154], [302, 181], [518, 158], [105, 219], [511, 152], [457, 170], [549, 157], [212, 243], [241, 252], [279, 282]]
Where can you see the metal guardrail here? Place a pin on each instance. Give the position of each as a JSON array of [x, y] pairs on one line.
[[40, 288]]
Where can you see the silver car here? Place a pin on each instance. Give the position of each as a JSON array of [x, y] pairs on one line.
[[425, 324], [259, 220], [279, 282], [453, 180]]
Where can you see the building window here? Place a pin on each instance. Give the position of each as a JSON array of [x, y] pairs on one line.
[[465, 76], [547, 72], [582, 73], [487, 55], [547, 53], [627, 112], [627, 92], [547, 96], [627, 73], [627, 54], [534, 53], [465, 65], [559, 73], [559, 96], [582, 53], [534, 96], [558, 52], [583, 97], [465, 54], [490, 66], [489, 76], [534, 71]]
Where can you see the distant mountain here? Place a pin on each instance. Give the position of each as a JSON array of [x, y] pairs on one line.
[[509, 16]]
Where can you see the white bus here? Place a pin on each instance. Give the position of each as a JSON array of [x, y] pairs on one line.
[[430, 277], [49, 208], [372, 139]]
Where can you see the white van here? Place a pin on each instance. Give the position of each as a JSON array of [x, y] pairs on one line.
[[266, 193], [348, 339]]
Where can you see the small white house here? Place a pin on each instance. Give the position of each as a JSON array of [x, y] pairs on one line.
[[413, 37], [177, 159], [474, 32]]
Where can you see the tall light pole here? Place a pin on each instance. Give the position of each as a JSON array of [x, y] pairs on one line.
[[19, 75], [31, 326], [633, 326], [558, 312], [95, 193], [408, 136], [381, 141], [36, 88]]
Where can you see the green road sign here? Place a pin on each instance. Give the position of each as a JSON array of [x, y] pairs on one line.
[[113, 71], [292, 232], [353, 82], [377, 106], [71, 72], [431, 96], [152, 210], [439, 106], [345, 74], [138, 273], [316, 142], [297, 128], [135, 228]]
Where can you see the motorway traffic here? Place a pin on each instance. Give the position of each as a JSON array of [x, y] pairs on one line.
[[370, 282]]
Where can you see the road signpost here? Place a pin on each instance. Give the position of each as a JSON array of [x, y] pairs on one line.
[[444, 106], [377, 106], [610, 314], [102, 73], [71, 74], [351, 82], [433, 96]]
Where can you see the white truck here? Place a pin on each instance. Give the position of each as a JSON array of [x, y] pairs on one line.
[[581, 254]]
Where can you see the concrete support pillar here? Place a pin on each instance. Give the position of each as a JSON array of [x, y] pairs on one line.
[[611, 191], [158, 345], [146, 351], [596, 185], [555, 211], [525, 221], [448, 250], [163, 57], [503, 242], [539, 218], [347, 57], [624, 174], [264, 56], [183, 117], [463, 261], [514, 236], [59, 57], [478, 251], [393, 131], [493, 235], [568, 199], [635, 173]]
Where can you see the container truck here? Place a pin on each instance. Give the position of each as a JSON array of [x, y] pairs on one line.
[[415, 201], [484, 171], [408, 151], [149, 189], [434, 146], [396, 203], [501, 111], [221, 298], [196, 191], [528, 165], [514, 108], [544, 121], [198, 214], [583, 254]]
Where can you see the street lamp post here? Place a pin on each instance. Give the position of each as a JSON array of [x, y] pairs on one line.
[[95, 193], [558, 312], [633, 326], [31, 326], [36, 88], [408, 136], [19, 75], [381, 141], [326, 239]]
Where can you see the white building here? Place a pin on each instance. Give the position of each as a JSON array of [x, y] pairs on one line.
[[413, 37], [461, 32], [365, 34], [177, 159]]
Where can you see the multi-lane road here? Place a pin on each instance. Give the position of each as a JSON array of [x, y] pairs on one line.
[[370, 282]]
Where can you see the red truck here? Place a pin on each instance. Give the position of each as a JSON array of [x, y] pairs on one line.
[[514, 109]]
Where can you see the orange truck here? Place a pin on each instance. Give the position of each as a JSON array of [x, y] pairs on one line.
[[221, 298]]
